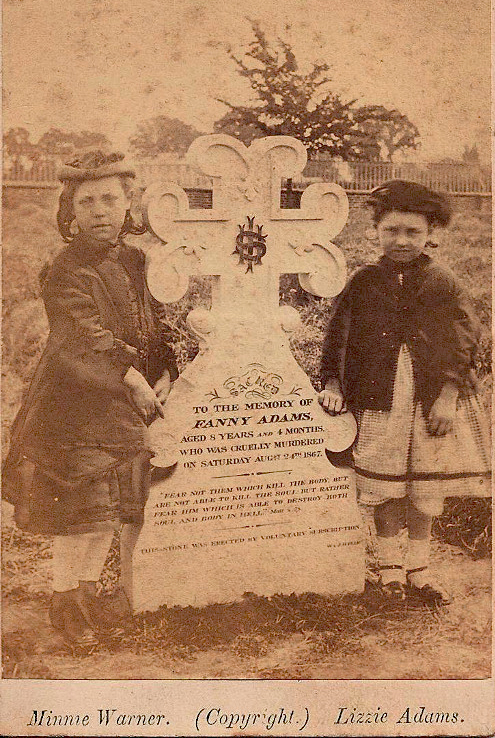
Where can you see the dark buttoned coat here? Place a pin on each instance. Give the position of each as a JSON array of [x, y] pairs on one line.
[[386, 305], [77, 422]]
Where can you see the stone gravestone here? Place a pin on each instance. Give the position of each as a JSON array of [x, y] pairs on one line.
[[253, 504]]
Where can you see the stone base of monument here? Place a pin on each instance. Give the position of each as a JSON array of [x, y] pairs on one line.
[[317, 552], [253, 504]]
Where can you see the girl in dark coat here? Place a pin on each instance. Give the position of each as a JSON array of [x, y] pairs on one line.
[[400, 353], [78, 465]]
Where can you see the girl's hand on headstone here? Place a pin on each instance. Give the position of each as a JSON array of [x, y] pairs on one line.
[[162, 387], [142, 395], [442, 413], [332, 400]]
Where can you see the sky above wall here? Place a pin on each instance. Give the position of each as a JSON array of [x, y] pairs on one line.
[[105, 65]]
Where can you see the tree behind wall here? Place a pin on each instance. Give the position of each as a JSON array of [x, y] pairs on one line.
[[160, 135], [63, 144], [303, 105], [17, 145], [54, 144], [390, 129]]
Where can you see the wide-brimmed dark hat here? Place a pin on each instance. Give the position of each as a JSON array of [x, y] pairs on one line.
[[95, 165], [405, 196]]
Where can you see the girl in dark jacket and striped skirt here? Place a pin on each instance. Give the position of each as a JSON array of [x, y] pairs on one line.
[[400, 354]]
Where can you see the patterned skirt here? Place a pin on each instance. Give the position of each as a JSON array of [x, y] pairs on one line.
[[45, 506], [395, 456]]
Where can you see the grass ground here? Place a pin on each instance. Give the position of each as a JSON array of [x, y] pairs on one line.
[[291, 637], [281, 637]]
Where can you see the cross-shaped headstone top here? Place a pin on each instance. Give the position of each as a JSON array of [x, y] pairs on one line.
[[246, 229]]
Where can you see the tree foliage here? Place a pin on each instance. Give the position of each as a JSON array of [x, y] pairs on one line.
[[162, 134], [471, 155], [389, 131], [17, 144], [64, 144], [53, 144], [303, 105]]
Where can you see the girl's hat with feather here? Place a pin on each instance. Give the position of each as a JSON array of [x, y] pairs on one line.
[[95, 165], [411, 197]]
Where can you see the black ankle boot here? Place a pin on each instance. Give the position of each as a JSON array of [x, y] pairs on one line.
[[68, 620], [97, 615], [431, 592]]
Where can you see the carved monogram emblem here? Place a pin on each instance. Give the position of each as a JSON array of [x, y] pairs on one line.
[[250, 244]]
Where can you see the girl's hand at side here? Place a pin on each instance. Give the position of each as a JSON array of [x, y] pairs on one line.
[[442, 413], [142, 395], [162, 387], [332, 400]]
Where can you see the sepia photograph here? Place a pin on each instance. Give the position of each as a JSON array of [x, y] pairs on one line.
[[246, 368]]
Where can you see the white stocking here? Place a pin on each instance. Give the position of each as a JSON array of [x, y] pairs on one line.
[[417, 557], [128, 538], [79, 557], [389, 554]]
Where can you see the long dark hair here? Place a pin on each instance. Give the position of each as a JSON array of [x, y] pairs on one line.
[[66, 216]]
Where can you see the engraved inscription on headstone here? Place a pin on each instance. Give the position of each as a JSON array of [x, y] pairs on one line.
[[253, 503]]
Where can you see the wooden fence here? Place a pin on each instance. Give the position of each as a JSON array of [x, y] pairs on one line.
[[364, 176], [352, 176], [38, 173]]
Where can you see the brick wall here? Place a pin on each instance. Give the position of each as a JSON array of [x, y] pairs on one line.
[[460, 203], [47, 198]]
